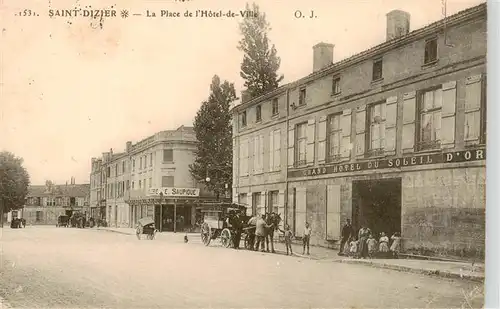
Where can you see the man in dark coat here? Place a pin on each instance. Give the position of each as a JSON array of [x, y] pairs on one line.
[[237, 225], [347, 232]]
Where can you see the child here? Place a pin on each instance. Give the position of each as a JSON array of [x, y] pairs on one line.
[[347, 247], [384, 244], [396, 243], [354, 248], [372, 246], [288, 239]]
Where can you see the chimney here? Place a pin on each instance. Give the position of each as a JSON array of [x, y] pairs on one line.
[[398, 24], [322, 55], [128, 146], [245, 96]]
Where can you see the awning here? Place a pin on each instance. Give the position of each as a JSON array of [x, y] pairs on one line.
[[145, 221]]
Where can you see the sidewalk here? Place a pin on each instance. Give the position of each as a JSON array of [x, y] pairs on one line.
[[447, 269]]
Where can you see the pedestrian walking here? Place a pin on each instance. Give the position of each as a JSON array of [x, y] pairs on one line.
[[383, 246], [288, 239], [347, 232], [372, 246], [396, 244], [306, 239]]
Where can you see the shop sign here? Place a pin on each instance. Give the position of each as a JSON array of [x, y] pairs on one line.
[[172, 191], [446, 157]]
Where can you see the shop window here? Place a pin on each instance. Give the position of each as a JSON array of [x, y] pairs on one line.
[[38, 216]]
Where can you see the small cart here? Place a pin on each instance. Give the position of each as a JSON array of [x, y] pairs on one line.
[[146, 226], [215, 223]]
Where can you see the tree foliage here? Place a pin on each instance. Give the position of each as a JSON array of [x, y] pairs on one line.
[[212, 126], [14, 181], [260, 64]]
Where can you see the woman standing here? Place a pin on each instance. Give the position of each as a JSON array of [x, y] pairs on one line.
[[363, 234]]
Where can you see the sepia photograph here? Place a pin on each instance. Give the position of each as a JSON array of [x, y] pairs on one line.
[[244, 154]]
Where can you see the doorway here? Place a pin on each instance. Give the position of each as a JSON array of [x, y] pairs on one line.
[[376, 204]]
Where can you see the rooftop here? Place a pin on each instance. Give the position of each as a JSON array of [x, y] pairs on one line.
[[76, 190]]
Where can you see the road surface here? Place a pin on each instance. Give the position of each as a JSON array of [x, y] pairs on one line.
[[47, 267]]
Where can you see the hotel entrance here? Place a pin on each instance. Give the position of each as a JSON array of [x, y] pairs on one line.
[[376, 204]]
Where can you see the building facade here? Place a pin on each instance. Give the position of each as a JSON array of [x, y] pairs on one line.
[[45, 203], [392, 138], [152, 179]]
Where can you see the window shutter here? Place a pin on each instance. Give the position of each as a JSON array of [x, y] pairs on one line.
[[409, 110], [271, 151], [255, 155], [472, 123], [300, 211], [311, 126], [346, 134], [261, 153], [322, 139], [391, 113], [248, 152], [333, 212], [448, 114], [262, 203], [291, 146], [360, 131], [277, 150]]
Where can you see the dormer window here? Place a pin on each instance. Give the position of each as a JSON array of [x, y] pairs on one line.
[[377, 69], [302, 96], [258, 113], [244, 119], [336, 86], [275, 109], [430, 54]]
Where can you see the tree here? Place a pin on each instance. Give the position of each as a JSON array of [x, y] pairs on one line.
[[212, 126], [260, 64], [14, 182]]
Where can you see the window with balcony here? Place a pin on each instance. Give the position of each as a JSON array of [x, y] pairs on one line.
[[334, 137], [258, 113], [301, 137], [377, 70], [243, 119], [275, 108], [336, 86], [430, 119], [168, 155], [376, 127], [302, 96], [167, 181], [430, 54]]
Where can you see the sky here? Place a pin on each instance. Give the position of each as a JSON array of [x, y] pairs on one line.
[[70, 90]]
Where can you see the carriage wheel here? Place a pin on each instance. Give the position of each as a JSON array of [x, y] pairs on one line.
[[206, 233], [225, 238]]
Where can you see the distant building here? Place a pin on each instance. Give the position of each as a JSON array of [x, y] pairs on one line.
[[128, 184], [45, 203], [392, 138]]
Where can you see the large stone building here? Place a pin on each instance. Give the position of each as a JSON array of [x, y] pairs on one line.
[[45, 203], [392, 138], [150, 179]]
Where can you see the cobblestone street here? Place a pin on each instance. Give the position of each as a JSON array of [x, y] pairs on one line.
[[58, 267]]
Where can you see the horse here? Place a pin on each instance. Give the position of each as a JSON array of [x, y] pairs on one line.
[[274, 220]]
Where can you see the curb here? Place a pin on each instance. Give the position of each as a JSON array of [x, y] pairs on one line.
[[439, 273], [113, 231]]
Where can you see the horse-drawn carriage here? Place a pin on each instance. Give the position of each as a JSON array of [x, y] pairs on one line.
[[63, 220], [218, 222], [146, 226]]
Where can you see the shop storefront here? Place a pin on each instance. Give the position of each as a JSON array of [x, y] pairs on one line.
[[436, 201]]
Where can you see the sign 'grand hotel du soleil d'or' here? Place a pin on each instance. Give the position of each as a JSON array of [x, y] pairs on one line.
[[446, 157]]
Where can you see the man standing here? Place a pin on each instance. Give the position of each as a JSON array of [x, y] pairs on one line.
[[236, 223], [260, 232], [347, 232], [306, 239]]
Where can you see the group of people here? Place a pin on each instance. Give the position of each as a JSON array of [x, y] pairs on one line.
[[368, 245]]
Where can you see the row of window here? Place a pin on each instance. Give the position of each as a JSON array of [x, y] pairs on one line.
[[118, 189], [257, 153], [258, 203], [55, 201], [430, 56]]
